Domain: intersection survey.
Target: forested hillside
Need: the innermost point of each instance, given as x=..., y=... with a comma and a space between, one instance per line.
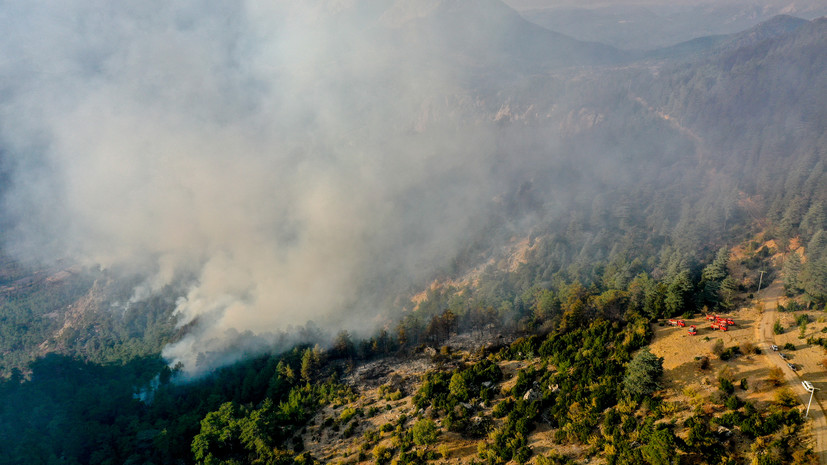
x=616, y=189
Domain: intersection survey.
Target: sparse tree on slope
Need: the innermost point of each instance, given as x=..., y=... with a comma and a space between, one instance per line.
x=425, y=432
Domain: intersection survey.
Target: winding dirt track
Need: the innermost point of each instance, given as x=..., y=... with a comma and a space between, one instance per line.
x=807, y=369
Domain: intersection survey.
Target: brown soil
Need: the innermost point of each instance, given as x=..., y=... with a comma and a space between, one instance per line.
x=687, y=385
x=682, y=354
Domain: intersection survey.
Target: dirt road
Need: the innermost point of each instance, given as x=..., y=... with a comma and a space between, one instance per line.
x=805, y=361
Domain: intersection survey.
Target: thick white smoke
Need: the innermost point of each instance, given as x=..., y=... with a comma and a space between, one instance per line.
x=282, y=156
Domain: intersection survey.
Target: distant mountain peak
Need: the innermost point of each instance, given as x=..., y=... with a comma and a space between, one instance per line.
x=484, y=33
x=773, y=27
x=404, y=11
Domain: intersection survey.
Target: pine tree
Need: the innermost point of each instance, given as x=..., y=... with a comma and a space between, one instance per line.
x=307, y=365
x=791, y=271
x=813, y=277
x=727, y=292
x=677, y=293
x=642, y=374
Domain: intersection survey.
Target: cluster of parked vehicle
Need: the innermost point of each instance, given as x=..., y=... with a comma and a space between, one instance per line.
x=784, y=356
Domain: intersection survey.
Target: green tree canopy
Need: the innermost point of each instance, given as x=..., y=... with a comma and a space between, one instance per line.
x=425, y=432
x=790, y=271
x=642, y=373
x=678, y=292
x=813, y=278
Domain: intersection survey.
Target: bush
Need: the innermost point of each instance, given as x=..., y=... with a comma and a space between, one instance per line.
x=503, y=408
x=348, y=432
x=776, y=376
x=425, y=432
x=726, y=373
x=730, y=353
x=381, y=454
x=785, y=397
x=347, y=414
x=789, y=346
x=371, y=436
x=726, y=386
x=718, y=347
x=777, y=328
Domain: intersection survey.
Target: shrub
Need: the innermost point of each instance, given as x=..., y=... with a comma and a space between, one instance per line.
x=424, y=432
x=381, y=454
x=553, y=458
x=785, y=397
x=718, y=347
x=371, y=436
x=503, y=408
x=726, y=373
x=726, y=385
x=777, y=328
x=776, y=376
x=789, y=346
x=522, y=454
x=444, y=451
x=347, y=414
x=348, y=432
x=730, y=353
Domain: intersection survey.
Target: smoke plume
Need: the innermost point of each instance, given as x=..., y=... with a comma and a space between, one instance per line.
x=287, y=161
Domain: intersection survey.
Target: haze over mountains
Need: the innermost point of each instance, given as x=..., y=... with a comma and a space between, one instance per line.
x=270, y=165
x=651, y=24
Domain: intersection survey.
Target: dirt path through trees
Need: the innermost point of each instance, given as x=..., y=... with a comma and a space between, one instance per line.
x=805, y=359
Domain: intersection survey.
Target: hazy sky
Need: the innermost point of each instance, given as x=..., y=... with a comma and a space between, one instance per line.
x=529, y=4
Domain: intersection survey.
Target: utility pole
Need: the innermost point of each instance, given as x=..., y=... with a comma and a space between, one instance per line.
x=808, y=386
